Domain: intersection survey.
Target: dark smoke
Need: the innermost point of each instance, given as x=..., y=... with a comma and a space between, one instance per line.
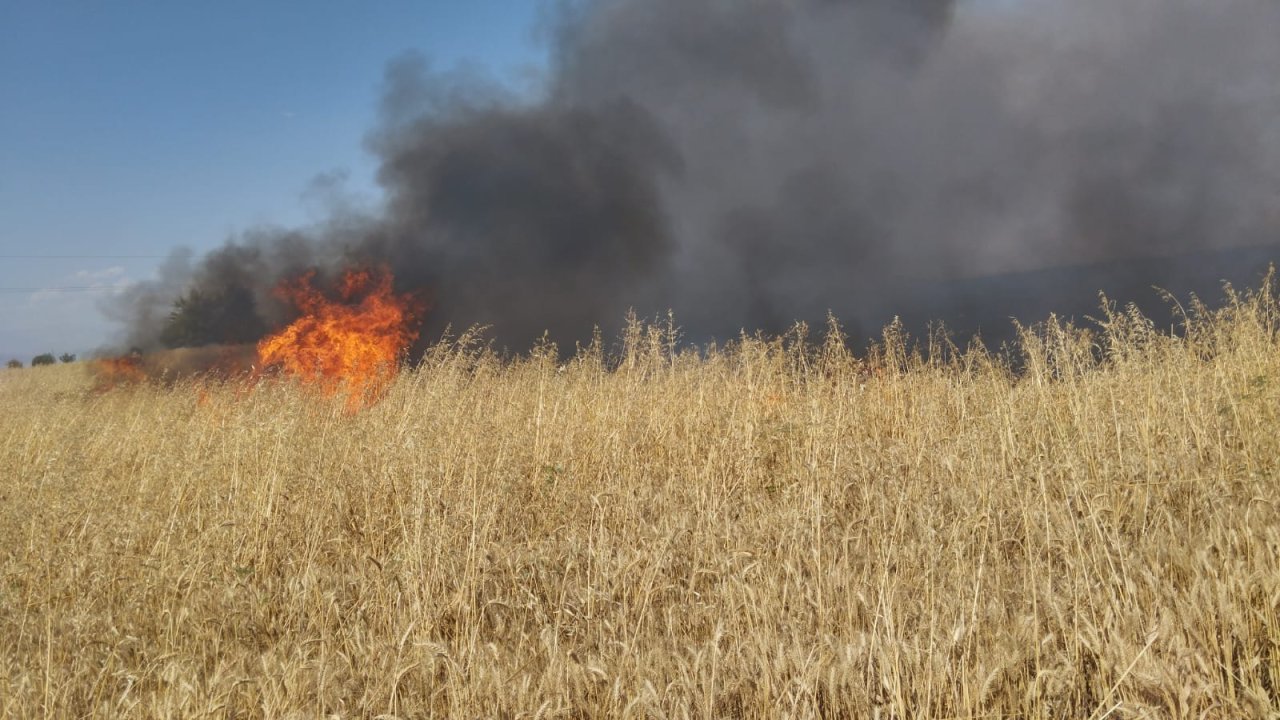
x=749, y=163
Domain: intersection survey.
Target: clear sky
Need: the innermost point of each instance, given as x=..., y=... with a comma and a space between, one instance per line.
x=128, y=128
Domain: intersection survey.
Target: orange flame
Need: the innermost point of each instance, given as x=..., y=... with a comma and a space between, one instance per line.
x=356, y=339
x=116, y=371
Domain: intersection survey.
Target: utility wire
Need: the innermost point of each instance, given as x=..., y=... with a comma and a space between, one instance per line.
x=81, y=257
x=64, y=288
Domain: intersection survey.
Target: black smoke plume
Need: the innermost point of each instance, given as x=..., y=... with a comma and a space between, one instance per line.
x=749, y=163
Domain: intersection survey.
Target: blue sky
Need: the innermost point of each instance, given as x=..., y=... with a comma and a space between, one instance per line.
x=128, y=128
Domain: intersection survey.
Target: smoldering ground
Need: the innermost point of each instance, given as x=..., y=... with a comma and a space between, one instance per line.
x=755, y=162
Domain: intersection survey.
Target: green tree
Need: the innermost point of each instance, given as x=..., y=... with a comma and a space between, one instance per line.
x=201, y=318
x=15, y=364
x=67, y=357
x=45, y=359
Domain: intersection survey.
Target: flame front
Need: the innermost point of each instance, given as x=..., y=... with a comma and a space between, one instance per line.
x=112, y=372
x=355, y=340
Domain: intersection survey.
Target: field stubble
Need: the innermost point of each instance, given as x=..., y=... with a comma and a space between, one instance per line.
x=1083, y=526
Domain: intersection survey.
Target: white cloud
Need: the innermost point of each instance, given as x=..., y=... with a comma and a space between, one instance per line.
x=115, y=271
x=85, y=287
x=59, y=321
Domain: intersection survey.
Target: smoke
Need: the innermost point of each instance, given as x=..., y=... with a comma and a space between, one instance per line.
x=749, y=163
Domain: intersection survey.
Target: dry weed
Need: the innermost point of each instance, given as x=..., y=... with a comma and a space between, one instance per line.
x=1083, y=526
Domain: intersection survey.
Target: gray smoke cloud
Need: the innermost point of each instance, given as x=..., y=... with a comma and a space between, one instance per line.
x=749, y=163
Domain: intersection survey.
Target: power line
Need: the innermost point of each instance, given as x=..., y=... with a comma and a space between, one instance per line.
x=82, y=257
x=65, y=288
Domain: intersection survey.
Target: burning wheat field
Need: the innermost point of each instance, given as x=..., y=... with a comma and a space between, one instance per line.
x=754, y=366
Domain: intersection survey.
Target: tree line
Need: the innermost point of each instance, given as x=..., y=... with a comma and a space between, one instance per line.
x=43, y=359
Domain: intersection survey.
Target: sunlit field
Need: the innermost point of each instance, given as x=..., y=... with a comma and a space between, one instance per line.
x=1081, y=525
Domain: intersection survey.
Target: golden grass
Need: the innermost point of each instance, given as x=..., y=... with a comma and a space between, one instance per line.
x=1086, y=527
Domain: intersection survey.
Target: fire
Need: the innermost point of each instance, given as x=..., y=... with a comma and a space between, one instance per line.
x=116, y=371
x=355, y=339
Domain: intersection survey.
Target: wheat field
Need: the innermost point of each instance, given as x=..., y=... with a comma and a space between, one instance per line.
x=1081, y=525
